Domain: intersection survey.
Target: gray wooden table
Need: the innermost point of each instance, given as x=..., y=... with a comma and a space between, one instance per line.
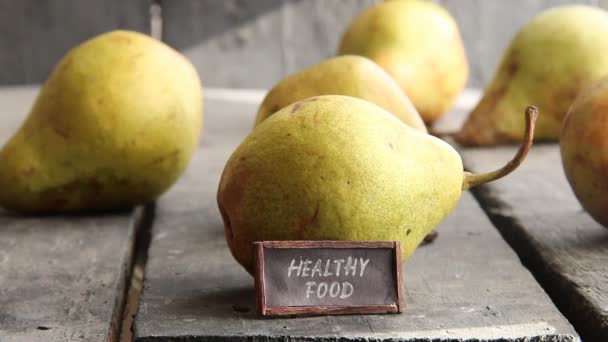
x=66, y=278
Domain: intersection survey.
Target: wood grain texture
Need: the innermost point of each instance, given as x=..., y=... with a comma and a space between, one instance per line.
x=399, y=278
x=537, y=213
x=466, y=285
x=34, y=34
x=62, y=278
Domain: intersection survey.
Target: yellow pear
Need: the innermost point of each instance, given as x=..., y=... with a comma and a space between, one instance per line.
x=354, y=76
x=419, y=44
x=340, y=168
x=548, y=62
x=114, y=125
x=584, y=149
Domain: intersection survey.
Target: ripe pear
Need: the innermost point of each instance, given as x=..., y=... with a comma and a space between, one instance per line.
x=584, y=149
x=340, y=168
x=419, y=44
x=345, y=75
x=114, y=125
x=548, y=62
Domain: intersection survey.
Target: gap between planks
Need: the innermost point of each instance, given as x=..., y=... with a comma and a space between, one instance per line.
x=144, y=219
x=557, y=285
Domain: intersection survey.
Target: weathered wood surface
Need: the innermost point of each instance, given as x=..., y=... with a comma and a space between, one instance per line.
x=467, y=285
x=35, y=34
x=61, y=278
x=225, y=38
x=537, y=213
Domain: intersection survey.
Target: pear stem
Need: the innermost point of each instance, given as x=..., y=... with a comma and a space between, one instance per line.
x=470, y=179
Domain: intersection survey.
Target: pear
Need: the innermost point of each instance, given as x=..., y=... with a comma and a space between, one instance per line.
x=419, y=44
x=548, y=62
x=584, y=149
x=114, y=125
x=346, y=75
x=340, y=168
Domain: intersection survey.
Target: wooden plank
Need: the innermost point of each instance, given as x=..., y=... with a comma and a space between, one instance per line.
x=537, y=213
x=34, y=34
x=61, y=278
x=467, y=285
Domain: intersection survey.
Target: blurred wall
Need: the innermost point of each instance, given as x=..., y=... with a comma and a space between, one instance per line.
x=237, y=43
x=35, y=34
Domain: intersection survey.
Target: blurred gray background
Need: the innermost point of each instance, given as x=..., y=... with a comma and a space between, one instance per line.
x=236, y=43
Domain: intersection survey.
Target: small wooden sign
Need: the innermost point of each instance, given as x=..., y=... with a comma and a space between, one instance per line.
x=328, y=277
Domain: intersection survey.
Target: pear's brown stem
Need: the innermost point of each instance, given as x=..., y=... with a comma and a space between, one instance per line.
x=470, y=179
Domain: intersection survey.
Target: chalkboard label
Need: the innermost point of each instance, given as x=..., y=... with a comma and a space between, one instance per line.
x=328, y=277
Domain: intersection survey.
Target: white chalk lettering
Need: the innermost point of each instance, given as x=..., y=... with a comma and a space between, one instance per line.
x=334, y=289
x=347, y=290
x=306, y=268
x=322, y=290
x=363, y=265
x=309, y=290
x=351, y=266
x=327, y=273
x=338, y=263
x=317, y=269
x=293, y=267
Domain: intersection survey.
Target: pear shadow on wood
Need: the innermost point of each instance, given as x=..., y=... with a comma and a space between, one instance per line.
x=223, y=302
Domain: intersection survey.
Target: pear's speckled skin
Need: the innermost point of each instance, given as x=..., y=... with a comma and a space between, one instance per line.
x=548, y=62
x=584, y=149
x=336, y=168
x=114, y=125
x=419, y=44
x=354, y=76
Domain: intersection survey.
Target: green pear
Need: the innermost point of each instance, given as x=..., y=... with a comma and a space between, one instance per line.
x=354, y=76
x=419, y=44
x=548, y=62
x=584, y=149
x=340, y=168
x=114, y=125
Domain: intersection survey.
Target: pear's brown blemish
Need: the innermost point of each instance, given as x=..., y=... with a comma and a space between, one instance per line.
x=100, y=101
x=121, y=38
x=305, y=224
x=61, y=132
x=173, y=155
x=29, y=172
x=390, y=145
x=296, y=107
x=172, y=116
x=579, y=159
x=230, y=198
x=407, y=232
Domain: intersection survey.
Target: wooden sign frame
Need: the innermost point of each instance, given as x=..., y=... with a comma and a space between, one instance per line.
x=266, y=310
